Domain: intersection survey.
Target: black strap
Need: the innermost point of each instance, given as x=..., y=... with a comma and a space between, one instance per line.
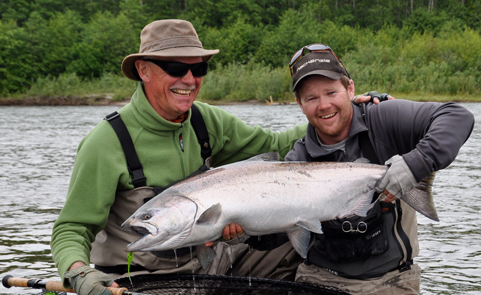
x=365, y=142
x=133, y=162
x=402, y=235
x=202, y=135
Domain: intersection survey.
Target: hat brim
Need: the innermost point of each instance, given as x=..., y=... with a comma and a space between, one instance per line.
x=128, y=64
x=330, y=74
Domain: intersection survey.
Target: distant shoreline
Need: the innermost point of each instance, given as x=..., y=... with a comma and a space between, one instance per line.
x=106, y=100
x=101, y=101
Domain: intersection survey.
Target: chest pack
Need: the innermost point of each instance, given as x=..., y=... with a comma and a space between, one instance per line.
x=133, y=162
x=351, y=245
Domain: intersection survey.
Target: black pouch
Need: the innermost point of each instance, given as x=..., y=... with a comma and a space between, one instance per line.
x=357, y=237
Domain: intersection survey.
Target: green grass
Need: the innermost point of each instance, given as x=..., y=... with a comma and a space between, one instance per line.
x=254, y=82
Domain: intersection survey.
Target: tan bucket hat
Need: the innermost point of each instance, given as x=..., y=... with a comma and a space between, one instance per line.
x=166, y=38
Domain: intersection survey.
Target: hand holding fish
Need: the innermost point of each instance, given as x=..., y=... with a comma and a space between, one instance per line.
x=232, y=231
x=229, y=232
x=398, y=179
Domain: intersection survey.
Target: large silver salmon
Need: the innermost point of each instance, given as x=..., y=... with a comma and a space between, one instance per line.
x=264, y=196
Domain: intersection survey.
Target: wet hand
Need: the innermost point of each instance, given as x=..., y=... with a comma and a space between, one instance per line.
x=232, y=231
x=388, y=197
x=229, y=232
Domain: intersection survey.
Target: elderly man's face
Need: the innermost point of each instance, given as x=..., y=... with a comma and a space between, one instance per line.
x=327, y=106
x=169, y=96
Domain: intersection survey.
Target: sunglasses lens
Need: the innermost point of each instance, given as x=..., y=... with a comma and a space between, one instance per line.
x=199, y=69
x=295, y=56
x=179, y=69
x=175, y=69
x=311, y=47
x=318, y=47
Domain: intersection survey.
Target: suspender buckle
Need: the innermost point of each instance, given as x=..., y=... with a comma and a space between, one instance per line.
x=208, y=162
x=112, y=116
x=138, y=178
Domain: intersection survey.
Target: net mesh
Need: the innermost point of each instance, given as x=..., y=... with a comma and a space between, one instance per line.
x=217, y=284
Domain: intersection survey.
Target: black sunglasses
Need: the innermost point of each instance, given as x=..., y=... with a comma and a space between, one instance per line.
x=318, y=47
x=180, y=69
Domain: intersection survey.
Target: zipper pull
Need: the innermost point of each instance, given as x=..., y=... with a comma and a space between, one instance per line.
x=181, y=141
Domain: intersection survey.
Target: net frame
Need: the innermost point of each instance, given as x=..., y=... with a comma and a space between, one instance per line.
x=220, y=284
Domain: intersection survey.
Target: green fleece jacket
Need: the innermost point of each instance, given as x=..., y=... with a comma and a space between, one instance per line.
x=100, y=168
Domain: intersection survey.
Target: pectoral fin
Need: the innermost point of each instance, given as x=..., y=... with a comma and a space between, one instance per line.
x=300, y=240
x=311, y=225
x=205, y=255
x=211, y=215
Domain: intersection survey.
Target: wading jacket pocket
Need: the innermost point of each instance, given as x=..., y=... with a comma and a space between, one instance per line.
x=357, y=238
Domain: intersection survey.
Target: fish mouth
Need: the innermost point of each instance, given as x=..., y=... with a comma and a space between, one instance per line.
x=137, y=244
x=140, y=230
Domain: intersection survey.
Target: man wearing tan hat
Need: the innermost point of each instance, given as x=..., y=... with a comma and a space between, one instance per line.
x=112, y=178
x=152, y=142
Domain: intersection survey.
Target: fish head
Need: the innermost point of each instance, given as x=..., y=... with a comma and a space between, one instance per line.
x=164, y=223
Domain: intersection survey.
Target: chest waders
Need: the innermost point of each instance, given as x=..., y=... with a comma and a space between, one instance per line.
x=108, y=253
x=378, y=242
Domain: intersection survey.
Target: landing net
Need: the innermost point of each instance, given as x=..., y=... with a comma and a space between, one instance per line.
x=216, y=284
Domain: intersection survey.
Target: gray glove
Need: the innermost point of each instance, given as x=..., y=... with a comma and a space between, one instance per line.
x=88, y=281
x=398, y=178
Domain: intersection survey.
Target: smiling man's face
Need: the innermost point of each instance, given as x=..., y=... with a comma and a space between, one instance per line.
x=327, y=106
x=169, y=96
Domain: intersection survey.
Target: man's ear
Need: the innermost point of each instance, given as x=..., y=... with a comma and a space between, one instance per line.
x=143, y=70
x=299, y=103
x=351, y=89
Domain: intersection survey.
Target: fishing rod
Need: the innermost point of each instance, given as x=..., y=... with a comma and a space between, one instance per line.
x=9, y=281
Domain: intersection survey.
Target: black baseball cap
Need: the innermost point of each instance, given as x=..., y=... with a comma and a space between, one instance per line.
x=322, y=63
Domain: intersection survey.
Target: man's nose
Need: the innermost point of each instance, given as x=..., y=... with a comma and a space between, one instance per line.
x=188, y=78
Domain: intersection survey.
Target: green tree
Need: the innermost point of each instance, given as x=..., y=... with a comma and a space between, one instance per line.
x=237, y=42
x=294, y=31
x=18, y=65
x=63, y=33
x=105, y=40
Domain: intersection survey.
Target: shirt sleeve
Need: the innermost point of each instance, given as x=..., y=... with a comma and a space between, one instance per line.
x=428, y=135
x=233, y=140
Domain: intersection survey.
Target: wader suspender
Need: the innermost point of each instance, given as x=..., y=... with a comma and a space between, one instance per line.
x=369, y=153
x=133, y=162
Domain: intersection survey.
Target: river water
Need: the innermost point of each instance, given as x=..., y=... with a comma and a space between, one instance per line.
x=37, y=151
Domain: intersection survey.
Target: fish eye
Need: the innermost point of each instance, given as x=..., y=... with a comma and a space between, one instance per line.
x=147, y=216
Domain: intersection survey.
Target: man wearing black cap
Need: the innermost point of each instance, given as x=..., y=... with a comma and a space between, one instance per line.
x=117, y=168
x=371, y=255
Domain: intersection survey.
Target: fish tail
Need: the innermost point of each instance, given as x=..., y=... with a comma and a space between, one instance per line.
x=420, y=198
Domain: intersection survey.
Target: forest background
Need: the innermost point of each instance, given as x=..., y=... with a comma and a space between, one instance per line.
x=72, y=49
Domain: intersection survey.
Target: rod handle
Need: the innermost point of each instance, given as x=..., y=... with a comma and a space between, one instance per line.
x=9, y=281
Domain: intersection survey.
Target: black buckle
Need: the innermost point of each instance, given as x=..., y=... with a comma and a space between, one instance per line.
x=112, y=116
x=138, y=176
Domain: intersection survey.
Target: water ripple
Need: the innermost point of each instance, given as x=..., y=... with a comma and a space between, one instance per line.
x=37, y=150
